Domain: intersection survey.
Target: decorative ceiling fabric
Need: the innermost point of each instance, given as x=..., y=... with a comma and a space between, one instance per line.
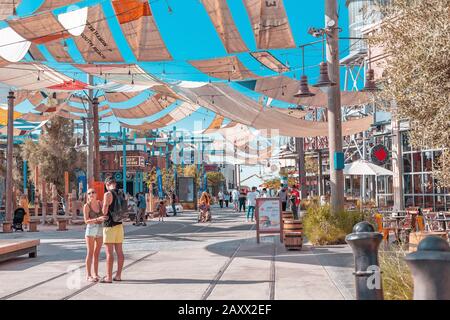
x=269, y=61
x=4, y=116
x=270, y=24
x=7, y=8
x=283, y=88
x=96, y=43
x=40, y=28
x=223, y=100
x=215, y=124
x=74, y=109
x=16, y=132
x=228, y=68
x=178, y=114
x=106, y=115
x=223, y=22
x=140, y=29
x=296, y=113
x=54, y=4
x=148, y=108
x=33, y=97
x=25, y=76
x=116, y=97
x=36, y=117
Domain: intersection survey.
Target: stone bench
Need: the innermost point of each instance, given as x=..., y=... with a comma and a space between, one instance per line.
x=15, y=248
x=34, y=221
x=62, y=221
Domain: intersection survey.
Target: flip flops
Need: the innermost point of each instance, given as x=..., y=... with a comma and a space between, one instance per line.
x=103, y=280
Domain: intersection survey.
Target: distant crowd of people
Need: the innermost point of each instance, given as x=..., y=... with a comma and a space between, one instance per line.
x=244, y=200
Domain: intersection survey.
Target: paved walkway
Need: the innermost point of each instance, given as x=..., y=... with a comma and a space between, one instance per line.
x=182, y=259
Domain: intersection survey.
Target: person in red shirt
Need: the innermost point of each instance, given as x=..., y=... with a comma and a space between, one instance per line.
x=295, y=201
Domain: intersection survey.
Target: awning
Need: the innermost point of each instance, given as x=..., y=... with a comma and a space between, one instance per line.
x=365, y=168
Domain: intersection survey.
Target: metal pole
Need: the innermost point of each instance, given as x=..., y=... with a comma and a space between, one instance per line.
x=301, y=166
x=96, y=139
x=25, y=177
x=334, y=107
x=90, y=134
x=124, y=161
x=320, y=184
x=9, y=162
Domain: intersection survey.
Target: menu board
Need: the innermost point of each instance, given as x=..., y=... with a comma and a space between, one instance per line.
x=268, y=216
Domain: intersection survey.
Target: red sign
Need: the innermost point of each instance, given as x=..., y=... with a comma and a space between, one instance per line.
x=379, y=154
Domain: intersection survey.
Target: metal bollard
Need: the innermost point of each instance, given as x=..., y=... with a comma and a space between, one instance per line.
x=430, y=268
x=364, y=242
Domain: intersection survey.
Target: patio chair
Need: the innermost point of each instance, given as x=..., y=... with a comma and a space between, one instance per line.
x=407, y=225
x=430, y=222
x=383, y=227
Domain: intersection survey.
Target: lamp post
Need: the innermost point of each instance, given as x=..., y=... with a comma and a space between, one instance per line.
x=334, y=108
x=9, y=164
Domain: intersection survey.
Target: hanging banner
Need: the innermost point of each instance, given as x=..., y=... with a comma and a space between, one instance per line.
x=160, y=183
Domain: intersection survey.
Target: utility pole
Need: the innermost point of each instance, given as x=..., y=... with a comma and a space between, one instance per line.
x=9, y=164
x=334, y=107
x=96, y=130
x=90, y=134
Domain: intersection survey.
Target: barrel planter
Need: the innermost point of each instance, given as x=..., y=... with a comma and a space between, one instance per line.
x=293, y=234
x=293, y=240
x=287, y=215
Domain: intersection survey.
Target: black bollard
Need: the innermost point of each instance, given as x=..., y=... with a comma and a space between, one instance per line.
x=364, y=242
x=430, y=268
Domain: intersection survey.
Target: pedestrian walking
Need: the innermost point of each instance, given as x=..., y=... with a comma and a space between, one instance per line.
x=173, y=202
x=251, y=204
x=283, y=195
x=295, y=201
x=226, y=198
x=162, y=211
x=205, y=205
x=141, y=207
x=235, y=198
x=220, y=197
x=242, y=200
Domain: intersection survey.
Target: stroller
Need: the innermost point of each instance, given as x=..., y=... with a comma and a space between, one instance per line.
x=19, y=213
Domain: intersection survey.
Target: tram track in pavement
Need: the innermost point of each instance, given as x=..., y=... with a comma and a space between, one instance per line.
x=41, y=283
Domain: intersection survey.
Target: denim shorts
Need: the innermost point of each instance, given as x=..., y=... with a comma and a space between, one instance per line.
x=94, y=230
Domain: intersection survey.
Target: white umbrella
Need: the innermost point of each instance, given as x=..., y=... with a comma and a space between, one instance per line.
x=365, y=168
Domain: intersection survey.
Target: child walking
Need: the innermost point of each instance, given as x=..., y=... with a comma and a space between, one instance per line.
x=162, y=212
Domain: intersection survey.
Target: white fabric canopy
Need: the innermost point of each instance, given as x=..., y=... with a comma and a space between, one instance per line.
x=365, y=168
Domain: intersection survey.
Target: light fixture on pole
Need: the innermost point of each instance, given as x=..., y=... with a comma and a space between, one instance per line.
x=304, y=88
x=324, y=79
x=369, y=85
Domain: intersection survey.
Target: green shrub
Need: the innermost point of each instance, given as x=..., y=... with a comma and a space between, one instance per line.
x=397, y=278
x=323, y=228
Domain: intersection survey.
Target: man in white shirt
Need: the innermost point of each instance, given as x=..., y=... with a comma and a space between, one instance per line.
x=235, y=198
x=220, y=197
x=251, y=203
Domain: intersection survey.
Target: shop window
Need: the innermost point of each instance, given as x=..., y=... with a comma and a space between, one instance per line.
x=407, y=183
x=417, y=186
x=405, y=142
x=407, y=165
x=428, y=161
x=440, y=203
x=409, y=201
x=428, y=202
x=428, y=184
x=418, y=201
x=417, y=161
x=436, y=157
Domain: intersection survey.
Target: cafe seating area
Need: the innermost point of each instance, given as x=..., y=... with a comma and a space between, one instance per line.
x=408, y=227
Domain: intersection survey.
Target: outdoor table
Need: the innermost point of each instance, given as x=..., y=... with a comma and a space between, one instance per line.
x=397, y=220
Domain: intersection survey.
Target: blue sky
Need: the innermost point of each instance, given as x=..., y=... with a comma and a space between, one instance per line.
x=189, y=35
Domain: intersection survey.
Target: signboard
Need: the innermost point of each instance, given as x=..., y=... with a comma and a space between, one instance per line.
x=379, y=154
x=186, y=189
x=133, y=161
x=159, y=183
x=268, y=217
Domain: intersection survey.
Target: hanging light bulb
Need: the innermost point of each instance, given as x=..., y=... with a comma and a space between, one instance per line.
x=304, y=88
x=65, y=47
x=212, y=99
x=14, y=8
x=39, y=76
x=132, y=79
x=324, y=79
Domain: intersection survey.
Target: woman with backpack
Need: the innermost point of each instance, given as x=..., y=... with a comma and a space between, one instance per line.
x=93, y=217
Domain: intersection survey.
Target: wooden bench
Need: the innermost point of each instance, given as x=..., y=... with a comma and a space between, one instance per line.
x=15, y=248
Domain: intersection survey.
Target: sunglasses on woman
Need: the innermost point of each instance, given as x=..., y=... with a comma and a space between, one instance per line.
x=92, y=192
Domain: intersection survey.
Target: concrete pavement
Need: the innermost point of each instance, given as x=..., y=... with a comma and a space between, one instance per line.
x=182, y=259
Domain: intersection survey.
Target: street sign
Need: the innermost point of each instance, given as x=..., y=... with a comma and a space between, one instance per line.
x=133, y=161
x=379, y=154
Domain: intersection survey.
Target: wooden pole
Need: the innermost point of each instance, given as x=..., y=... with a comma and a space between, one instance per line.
x=301, y=166
x=334, y=106
x=9, y=160
x=90, y=135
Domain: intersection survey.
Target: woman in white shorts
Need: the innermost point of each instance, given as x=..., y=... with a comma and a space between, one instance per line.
x=93, y=218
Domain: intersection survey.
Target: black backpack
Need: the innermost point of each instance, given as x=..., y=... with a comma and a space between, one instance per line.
x=119, y=210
